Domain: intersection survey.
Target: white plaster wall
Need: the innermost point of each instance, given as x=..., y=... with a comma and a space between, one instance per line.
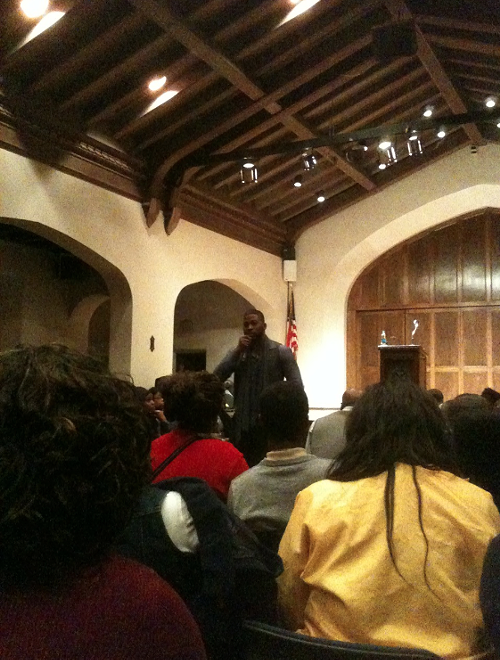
x=333, y=253
x=155, y=266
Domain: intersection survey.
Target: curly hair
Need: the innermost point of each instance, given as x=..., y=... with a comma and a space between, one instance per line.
x=74, y=458
x=193, y=399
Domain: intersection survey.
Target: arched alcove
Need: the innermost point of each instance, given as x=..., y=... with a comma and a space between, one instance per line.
x=208, y=320
x=52, y=286
x=449, y=280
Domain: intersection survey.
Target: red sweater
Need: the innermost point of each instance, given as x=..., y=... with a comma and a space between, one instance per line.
x=216, y=461
x=124, y=611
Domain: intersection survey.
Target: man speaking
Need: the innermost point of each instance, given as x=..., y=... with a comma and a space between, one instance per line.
x=256, y=362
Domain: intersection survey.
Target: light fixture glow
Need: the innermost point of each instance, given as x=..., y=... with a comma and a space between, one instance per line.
x=34, y=8
x=300, y=8
x=248, y=171
x=387, y=157
x=320, y=197
x=498, y=125
x=297, y=182
x=385, y=144
x=157, y=83
x=163, y=98
x=309, y=161
x=414, y=145
x=43, y=24
x=428, y=111
x=441, y=133
x=490, y=102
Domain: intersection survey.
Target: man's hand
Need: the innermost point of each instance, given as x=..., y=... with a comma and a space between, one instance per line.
x=243, y=343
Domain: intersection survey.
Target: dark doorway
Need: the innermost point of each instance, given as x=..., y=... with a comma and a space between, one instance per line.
x=191, y=360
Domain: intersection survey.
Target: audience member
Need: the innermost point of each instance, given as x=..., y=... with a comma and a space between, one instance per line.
x=436, y=394
x=186, y=534
x=326, y=436
x=74, y=456
x=389, y=550
x=491, y=396
x=193, y=401
x=475, y=429
x=155, y=419
x=256, y=362
x=490, y=593
x=264, y=495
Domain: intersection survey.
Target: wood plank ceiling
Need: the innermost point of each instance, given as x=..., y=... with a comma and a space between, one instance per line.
x=248, y=81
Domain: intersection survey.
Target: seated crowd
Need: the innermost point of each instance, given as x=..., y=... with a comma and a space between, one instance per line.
x=130, y=529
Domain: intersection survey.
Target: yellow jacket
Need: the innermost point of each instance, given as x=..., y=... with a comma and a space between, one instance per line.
x=339, y=581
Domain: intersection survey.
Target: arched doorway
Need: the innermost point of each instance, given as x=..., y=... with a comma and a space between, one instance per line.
x=208, y=321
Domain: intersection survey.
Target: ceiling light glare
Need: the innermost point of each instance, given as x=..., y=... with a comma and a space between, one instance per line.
x=490, y=102
x=163, y=98
x=248, y=171
x=428, y=111
x=157, y=83
x=441, y=133
x=320, y=197
x=414, y=145
x=297, y=182
x=248, y=164
x=498, y=125
x=34, y=8
x=43, y=24
x=300, y=8
x=382, y=165
x=385, y=143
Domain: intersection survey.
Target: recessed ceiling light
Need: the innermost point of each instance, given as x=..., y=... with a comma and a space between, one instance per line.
x=498, y=125
x=34, y=8
x=441, y=133
x=490, y=102
x=428, y=111
x=157, y=83
x=320, y=196
x=297, y=182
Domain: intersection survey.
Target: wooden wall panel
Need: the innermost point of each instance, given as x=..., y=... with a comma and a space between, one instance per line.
x=447, y=347
x=449, y=280
x=473, y=334
x=473, y=244
x=446, y=255
x=419, y=272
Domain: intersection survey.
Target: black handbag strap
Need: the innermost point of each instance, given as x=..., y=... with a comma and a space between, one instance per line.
x=171, y=457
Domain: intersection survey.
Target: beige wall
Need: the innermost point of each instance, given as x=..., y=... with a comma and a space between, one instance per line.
x=333, y=253
x=144, y=269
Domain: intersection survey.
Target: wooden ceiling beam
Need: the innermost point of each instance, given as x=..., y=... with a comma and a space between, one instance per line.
x=466, y=45
x=399, y=10
x=457, y=24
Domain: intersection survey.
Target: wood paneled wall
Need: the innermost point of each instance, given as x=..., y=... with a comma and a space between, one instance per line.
x=448, y=280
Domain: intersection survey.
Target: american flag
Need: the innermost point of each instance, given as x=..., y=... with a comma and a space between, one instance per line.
x=292, y=341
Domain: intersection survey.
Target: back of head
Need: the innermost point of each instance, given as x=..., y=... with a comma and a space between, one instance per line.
x=437, y=395
x=284, y=412
x=464, y=404
x=393, y=422
x=193, y=399
x=349, y=398
x=74, y=458
x=491, y=396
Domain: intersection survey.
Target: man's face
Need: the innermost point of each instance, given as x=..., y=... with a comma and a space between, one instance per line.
x=253, y=326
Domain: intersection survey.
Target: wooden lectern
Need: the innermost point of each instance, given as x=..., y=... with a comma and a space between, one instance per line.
x=408, y=358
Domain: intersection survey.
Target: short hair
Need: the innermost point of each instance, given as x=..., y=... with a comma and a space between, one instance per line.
x=284, y=411
x=193, y=399
x=349, y=398
x=436, y=394
x=141, y=393
x=74, y=458
x=491, y=395
x=255, y=312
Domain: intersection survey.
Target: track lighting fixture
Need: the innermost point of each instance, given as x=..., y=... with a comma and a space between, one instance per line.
x=428, y=111
x=309, y=161
x=385, y=143
x=320, y=197
x=297, y=182
x=414, y=145
x=490, y=102
x=441, y=133
x=387, y=157
x=248, y=171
